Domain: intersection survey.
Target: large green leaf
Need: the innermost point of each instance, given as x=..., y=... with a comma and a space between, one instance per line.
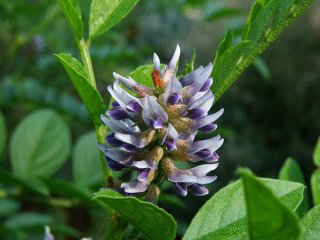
x=72, y=12
x=89, y=95
x=316, y=154
x=311, y=224
x=40, y=144
x=86, y=161
x=224, y=215
x=291, y=171
x=315, y=186
x=267, y=217
x=142, y=74
x=105, y=14
x=153, y=222
x=28, y=184
x=28, y=219
x=3, y=133
x=267, y=20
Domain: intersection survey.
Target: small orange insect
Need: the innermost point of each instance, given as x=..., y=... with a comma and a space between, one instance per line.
x=157, y=81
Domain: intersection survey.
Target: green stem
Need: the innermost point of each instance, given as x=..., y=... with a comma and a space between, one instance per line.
x=86, y=61
x=100, y=129
x=116, y=226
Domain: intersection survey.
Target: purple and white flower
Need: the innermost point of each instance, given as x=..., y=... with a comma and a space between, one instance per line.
x=154, y=128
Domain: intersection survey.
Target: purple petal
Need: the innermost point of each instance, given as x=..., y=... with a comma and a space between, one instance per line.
x=198, y=189
x=134, y=106
x=174, y=98
x=173, y=91
x=115, y=166
x=112, y=141
x=211, y=144
x=208, y=128
x=181, y=176
x=156, y=123
x=115, y=104
x=205, y=102
x=206, y=85
x=190, y=78
x=117, y=113
x=137, y=140
x=128, y=83
x=170, y=139
x=135, y=186
x=143, y=174
x=118, y=155
x=122, y=97
x=188, y=136
x=196, y=113
x=128, y=147
x=170, y=146
x=126, y=126
x=205, y=153
x=153, y=110
x=181, y=189
x=193, y=88
x=199, y=123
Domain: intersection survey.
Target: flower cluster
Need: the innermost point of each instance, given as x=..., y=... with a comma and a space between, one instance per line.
x=154, y=128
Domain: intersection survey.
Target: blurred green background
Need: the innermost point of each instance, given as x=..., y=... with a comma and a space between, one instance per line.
x=270, y=113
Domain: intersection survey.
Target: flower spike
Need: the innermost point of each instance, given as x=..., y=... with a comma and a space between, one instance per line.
x=157, y=127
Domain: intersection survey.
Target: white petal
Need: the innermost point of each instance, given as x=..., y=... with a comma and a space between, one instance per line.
x=189, y=78
x=128, y=82
x=175, y=58
x=203, y=169
x=199, y=123
x=156, y=62
x=137, y=140
x=135, y=186
x=203, y=144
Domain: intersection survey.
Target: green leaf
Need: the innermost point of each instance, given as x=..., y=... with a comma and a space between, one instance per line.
x=267, y=217
x=3, y=133
x=28, y=219
x=316, y=154
x=89, y=95
x=263, y=69
x=142, y=75
x=72, y=12
x=8, y=207
x=224, y=45
x=291, y=171
x=26, y=183
x=150, y=220
x=219, y=11
x=86, y=161
x=189, y=65
x=315, y=186
x=40, y=144
x=311, y=224
x=224, y=215
x=267, y=20
x=105, y=14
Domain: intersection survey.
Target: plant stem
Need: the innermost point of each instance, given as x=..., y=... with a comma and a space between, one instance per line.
x=86, y=61
x=100, y=129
